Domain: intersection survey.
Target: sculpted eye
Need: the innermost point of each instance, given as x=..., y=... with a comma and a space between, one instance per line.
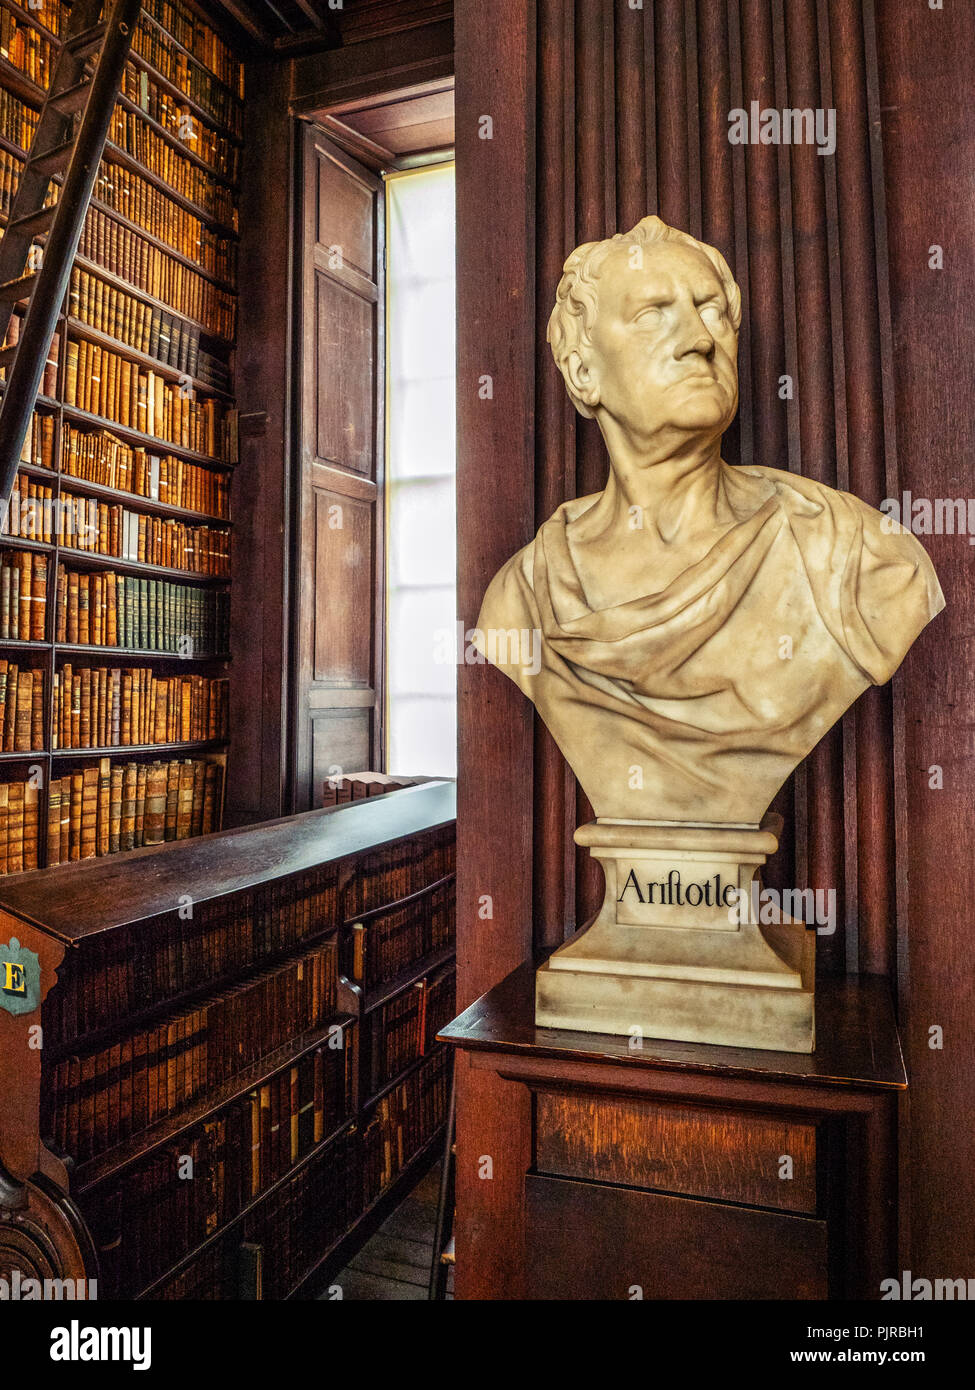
x=650, y=315
x=712, y=313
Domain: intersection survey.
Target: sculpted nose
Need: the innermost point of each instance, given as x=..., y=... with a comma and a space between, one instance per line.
x=694, y=337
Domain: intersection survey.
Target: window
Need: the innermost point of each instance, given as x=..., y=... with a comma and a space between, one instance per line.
x=421, y=716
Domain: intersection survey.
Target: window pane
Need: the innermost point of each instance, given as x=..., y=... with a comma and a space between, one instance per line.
x=420, y=466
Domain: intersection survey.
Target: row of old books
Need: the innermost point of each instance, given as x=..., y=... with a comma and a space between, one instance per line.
x=105, y=609
x=143, y=203
x=49, y=379
x=102, y=528
x=108, y=807
x=403, y=1121
x=21, y=708
x=38, y=446
x=149, y=329
x=222, y=156
x=30, y=512
x=116, y=707
x=123, y=252
x=98, y=456
x=19, y=825
x=281, y=1237
x=402, y=869
x=356, y=786
x=99, y=528
x=187, y=27
x=105, y=383
x=17, y=120
x=26, y=49
x=391, y=942
x=195, y=946
x=145, y=327
x=405, y=1028
x=185, y=1192
x=177, y=67
x=23, y=595
x=101, y=1097
x=133, y=134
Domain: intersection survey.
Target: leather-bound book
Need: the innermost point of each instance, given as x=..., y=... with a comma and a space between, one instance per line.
x=184, y=800
x=89, y=813
x=15, y=827
x=25, y=681
x=198, y=796
x=155, y=819
x=38, y=607
x=54, y=822
x=31, y=825
x=127, y=824
x=172, y=798
x=141, y=779
x=115, y=809
x=104, y=804
x=25, y=594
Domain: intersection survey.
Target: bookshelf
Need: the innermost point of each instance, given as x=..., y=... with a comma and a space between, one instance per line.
x=116, y=553
x=299, y=1134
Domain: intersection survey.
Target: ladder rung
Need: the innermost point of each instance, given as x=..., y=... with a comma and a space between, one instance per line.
x=35, y=223
x=72, y=99
x=15, y=290
x=82, y=45
x=52, y=161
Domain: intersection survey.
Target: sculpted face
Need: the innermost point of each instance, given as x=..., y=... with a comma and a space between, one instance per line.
x=664, y=351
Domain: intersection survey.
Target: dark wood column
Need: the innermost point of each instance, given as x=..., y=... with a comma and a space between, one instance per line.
x=926, y=61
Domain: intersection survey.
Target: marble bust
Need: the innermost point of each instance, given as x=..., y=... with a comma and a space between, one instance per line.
x=701, y=625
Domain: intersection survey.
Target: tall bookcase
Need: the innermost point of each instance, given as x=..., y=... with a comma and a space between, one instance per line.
x=116, y=552
x=240, y=1074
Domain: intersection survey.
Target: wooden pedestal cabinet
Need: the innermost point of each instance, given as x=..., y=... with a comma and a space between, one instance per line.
x=676, y=1170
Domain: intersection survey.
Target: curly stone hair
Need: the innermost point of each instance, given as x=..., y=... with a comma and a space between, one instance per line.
x=577, y=298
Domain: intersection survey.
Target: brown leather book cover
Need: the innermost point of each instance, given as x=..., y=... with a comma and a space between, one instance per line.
x=141, y=781
x=15, y=827
x=89, y=813
x=54, y=822
x=155, y=819
x=104, y=804
x=115, y=809
x=31, y=825
x=127, y=826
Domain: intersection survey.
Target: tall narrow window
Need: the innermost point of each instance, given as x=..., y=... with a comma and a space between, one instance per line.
x=421, y=718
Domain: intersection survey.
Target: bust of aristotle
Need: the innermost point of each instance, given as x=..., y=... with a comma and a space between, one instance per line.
x=701, y=626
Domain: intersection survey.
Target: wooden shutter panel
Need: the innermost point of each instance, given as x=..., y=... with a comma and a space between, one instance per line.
x=339, y=574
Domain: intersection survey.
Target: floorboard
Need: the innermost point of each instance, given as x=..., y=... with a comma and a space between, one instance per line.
x=394, y=1265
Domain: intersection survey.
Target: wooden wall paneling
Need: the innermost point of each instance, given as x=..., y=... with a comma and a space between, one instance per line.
x=339, y=522
x=383, y=63
x=496, y=318
x=554, y=855
x=260, y=497
x=709, y=1250
x=925, y=60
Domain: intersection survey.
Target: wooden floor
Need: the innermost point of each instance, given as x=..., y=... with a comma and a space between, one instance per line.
x=395, y=1263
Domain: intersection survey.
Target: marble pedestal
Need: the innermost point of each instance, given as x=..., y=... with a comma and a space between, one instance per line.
x=676, y=950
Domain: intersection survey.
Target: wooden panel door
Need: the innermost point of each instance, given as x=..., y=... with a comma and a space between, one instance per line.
x=339, y=530
x=653, y=1245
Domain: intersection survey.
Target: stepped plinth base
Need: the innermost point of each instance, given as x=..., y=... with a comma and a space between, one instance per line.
x=676, y=950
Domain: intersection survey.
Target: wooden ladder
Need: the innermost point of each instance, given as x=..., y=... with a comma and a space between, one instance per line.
x=68, y=143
